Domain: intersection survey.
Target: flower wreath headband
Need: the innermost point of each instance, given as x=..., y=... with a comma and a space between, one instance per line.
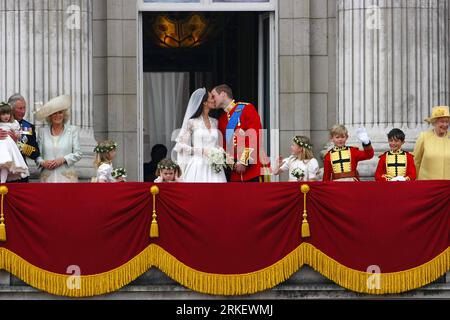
x=302, y=144
x=172, y=166
x=106, y=148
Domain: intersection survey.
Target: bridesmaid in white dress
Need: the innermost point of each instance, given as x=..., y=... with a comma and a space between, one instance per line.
x=199, y=134
x=105, y=152
x=301, y=164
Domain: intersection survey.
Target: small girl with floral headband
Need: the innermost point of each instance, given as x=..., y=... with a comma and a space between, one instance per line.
x=105, y=154
x=168, y=171
x=302, y=165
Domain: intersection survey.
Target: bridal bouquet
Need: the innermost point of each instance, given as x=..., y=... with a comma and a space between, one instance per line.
x=298, y=173
x=217, y=159
x=119, y=172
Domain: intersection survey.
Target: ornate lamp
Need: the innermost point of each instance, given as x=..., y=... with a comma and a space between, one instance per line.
x=172, y=32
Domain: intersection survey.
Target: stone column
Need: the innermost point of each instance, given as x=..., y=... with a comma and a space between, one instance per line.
x=119, y=63
x=46, y=51
x=393, y=67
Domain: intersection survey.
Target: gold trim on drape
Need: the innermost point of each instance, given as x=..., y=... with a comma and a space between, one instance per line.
x=220, y=284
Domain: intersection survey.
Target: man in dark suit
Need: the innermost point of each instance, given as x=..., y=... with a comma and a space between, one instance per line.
x=27, y=143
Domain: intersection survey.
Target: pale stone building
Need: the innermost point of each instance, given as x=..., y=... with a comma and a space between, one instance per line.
x=306, y=65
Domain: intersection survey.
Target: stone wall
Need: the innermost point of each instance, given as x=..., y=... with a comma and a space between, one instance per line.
x=115, y=74
x=307, y=47
x=393, y=67
x=46, y=51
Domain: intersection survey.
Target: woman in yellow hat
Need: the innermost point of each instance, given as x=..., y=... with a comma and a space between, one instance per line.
x=58, y=142
x=432, y=149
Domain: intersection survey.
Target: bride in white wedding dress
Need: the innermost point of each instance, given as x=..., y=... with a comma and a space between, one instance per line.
x=199, y=134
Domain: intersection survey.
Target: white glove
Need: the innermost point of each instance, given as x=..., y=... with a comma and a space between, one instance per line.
x=398, y=178
x=362, y=135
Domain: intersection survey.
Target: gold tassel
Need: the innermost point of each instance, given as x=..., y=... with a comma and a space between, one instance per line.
x=305, y=225
x=305, y=229
x=154, y=229
x=2, y=231
x=3, y=192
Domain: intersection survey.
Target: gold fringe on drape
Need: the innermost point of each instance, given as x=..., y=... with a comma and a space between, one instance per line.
x=59, y=284
x=365, y=282
x=233, y=284
x=239, y=284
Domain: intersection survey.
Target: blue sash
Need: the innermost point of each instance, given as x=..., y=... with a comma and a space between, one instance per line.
x=232, y=123
x=26, y=128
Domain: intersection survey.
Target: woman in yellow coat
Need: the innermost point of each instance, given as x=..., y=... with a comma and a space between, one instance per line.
x=432, y=149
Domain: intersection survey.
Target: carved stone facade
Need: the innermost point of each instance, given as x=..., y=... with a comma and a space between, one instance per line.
x=377, y=64
x=340, y=61
x=46, y=51
x=392, y=67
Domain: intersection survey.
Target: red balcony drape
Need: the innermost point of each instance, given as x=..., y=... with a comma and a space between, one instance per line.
x=227, y=238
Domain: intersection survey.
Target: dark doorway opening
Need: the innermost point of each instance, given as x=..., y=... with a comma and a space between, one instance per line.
x=233, y=48
x=228, y=54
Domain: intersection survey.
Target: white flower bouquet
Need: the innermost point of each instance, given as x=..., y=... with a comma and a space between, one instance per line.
x=298, y=173
x=119, y=172
x=217, y=159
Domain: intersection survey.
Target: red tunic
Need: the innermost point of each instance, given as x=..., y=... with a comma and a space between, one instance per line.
x=380, y=173
x=356, y=156
x=246, y=135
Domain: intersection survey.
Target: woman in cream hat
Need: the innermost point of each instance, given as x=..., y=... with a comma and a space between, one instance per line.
x=432, y=149
x=58, y=142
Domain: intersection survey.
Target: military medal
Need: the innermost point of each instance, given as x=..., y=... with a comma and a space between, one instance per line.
x=26, y=131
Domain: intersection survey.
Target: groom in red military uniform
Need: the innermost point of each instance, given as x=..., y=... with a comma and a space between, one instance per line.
x=240, y=126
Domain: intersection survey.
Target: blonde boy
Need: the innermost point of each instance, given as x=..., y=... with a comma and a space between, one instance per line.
x=340, y=163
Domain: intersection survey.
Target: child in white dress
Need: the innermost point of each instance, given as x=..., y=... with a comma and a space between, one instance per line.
x=105, y=154
x=12, y=164
x=302, y=165
x=168, y=171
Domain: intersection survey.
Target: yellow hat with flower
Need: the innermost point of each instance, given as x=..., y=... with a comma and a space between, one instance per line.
x=438, y=112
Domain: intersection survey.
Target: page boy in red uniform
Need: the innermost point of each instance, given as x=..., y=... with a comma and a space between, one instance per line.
x=396, y=164
x=340, y=163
